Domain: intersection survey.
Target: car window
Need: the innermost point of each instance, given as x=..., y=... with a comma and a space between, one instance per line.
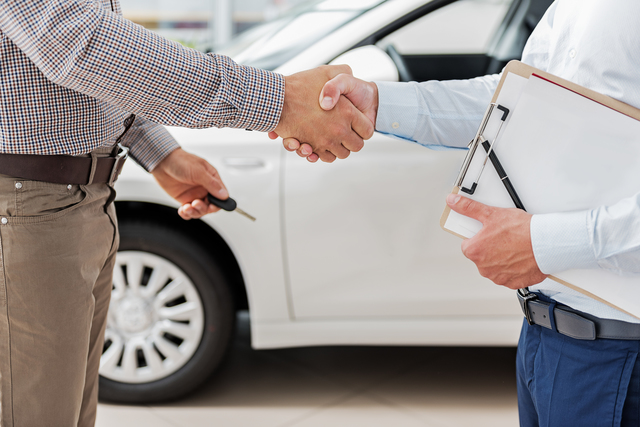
x=462, y=27
x=273, y=43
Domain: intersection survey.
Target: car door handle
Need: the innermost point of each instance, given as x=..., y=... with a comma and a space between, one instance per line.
x=244, y=163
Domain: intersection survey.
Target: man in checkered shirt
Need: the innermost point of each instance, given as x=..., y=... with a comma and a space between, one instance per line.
x=76, y=78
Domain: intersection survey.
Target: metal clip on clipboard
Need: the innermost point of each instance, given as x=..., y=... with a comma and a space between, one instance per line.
x=477, y=140
x=491, y=155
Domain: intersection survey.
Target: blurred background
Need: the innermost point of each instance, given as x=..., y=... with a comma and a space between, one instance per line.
x=203, y=24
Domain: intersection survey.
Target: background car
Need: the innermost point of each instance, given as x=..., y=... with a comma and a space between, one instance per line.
x=343, y=253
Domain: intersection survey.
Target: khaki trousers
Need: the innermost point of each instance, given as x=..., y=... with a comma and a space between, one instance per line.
x=57, y=252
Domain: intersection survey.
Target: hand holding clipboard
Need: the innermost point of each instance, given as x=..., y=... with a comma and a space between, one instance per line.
x=552, y=148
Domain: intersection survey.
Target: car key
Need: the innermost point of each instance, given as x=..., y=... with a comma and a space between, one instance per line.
x=228, y=205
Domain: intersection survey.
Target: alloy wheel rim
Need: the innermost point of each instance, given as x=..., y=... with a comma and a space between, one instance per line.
x=155, y=321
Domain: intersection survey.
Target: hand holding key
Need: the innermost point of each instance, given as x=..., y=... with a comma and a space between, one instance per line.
x=228, y=205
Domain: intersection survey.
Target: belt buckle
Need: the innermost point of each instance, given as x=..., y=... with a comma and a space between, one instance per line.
x=526, y=297
x=123, y=154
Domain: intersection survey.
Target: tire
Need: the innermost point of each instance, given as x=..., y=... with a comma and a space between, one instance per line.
x=170, y=319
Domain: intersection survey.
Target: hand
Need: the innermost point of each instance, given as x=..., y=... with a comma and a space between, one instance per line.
x=188, y=179
x=502, y=249
x=363, y=95
x=333, y=133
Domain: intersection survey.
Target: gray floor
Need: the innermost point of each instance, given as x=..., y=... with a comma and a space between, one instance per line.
x=342, y=386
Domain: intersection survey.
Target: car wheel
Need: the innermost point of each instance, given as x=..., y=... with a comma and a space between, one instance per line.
x=170, y=318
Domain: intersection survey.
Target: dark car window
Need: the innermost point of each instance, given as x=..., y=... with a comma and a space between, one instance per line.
x=441, y=41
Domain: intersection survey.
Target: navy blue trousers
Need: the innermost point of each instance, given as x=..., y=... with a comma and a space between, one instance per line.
x=567, y=382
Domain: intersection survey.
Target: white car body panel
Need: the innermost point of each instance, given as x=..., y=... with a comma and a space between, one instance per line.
x=372, y=226
x=256, y=245
x=349, y=252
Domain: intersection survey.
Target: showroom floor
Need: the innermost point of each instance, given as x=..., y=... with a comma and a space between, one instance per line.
x=342, y=386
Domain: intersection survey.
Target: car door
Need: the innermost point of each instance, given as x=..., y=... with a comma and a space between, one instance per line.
x=362, y=236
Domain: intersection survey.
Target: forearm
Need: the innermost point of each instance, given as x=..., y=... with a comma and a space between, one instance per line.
x=91, y=50
x=434, y=113
x=606, y=237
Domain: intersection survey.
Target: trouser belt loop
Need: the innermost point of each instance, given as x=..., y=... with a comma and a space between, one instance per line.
x=92, y=172
x=552, y=316
x=524, y=296
x=115, y=150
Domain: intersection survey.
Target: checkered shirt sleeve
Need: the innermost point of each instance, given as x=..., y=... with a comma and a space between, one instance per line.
x=73, y=70
x=148, y=143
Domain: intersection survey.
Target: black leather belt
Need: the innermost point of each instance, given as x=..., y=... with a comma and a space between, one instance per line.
x=574, y=323
x=64, y=169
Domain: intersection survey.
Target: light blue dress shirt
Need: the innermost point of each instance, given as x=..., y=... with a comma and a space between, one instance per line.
x=594, y=43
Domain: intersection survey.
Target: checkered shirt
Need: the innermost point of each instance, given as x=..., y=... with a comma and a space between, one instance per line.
x=71, y=71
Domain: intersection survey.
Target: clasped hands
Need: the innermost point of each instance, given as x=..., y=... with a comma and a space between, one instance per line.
x=335, y=134
x=348, y=115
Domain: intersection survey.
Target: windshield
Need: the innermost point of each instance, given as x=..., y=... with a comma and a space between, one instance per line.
x=273, y=43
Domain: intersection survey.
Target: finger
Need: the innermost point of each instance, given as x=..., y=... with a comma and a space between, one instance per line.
x=334, y=70
x=211, y=181
x=362, y=125
x=342, y=84
x=200, y=208
x=182, y=211
x=466, y=247
x=291, y=144
x=340, y=151
x=353, y=142
x=187, y=211
x=272, y=135
x=305, y=150
x=327, y=157
x=313, y=158
x=468, y=207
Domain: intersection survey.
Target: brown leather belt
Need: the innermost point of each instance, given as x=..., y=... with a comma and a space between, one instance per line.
x=64, y=169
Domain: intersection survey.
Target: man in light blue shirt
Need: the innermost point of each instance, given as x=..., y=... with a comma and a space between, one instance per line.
x=562, y=381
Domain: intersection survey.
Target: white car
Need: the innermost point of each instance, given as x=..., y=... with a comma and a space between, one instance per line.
x=344, y=253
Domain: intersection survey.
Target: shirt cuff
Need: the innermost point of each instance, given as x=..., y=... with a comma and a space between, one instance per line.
x=561, y=241
x=149, y=143
x=263, y=99
x=397, y=109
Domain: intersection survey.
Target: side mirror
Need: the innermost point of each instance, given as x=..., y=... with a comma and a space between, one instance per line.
x=369, y=63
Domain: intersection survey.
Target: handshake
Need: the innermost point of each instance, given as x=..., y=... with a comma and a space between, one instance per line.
x=344, y=118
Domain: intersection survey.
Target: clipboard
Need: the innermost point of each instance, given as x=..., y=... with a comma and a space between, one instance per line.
x=565, y=148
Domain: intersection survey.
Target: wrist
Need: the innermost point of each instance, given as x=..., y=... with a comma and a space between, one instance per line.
x=375, y=101
x=397, y=105
x=289, y=84
x=163, y=164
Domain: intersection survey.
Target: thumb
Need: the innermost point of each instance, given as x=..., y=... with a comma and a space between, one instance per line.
x=211, y=181
x=342, y=84
x=468, y=207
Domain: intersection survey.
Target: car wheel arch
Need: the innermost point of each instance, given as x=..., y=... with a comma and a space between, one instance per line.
x=198, y=230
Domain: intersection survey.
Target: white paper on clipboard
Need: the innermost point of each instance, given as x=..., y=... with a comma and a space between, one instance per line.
x=562, y=152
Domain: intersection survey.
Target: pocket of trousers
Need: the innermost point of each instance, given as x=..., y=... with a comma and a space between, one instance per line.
x=38, y=201
x=582, y=382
